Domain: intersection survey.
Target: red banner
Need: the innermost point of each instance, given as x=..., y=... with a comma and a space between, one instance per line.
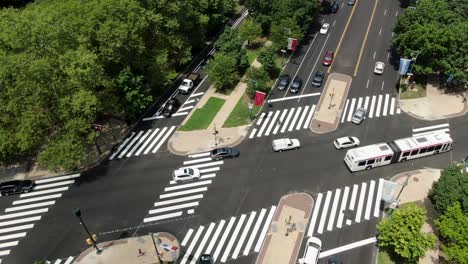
x=259, y=98
x=292, y=43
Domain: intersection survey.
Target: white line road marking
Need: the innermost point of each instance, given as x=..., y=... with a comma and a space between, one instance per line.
x=272, y=123
x=359, y=103
x=445, y=130
x=254, y=232
x=304, y=113
x=361, y=202
x=287, y=120
x=252, y=134
x=392, y=106
x=309, y=117
x=369, y=200
x=283, y=114
x=202, y=244
x=385, y=107
x=162, y=131
x=388, y=53
x=137, y=145
x=209, y=170
x=189, y=185
x=324, y=212
x=337, y=250
x=343, y=115
x=31, y=212
x=130, y=145
x=162, y=196
x=185, y=108
x=415, y=130
x=16, y=228
x=334, y=23
x=207, y=176
x=366, y=103
x=353, y=197
x=4, y=253
x=367, y=84
x=215, y=237
x=197, y=94
x=331, y=219
x=398, y=111
x=180, y=114
x=187, y=237
x=377, y=111
x=162, y=217
x=396, y=14
x=199, y=155
x=371, y=111
x=293, y=97
x=173, y=208
x=36, y=193
x=52, y=179
x=189, y=102
x=9, y=244
x=351, y=108
x=210, y=164
x=380, y=31
x=383, y=82
x=244, y=235
x=385, y=12
x=313, y=220
x=147, y=142
x=261, y=118
x=183, y=199
x=265, y=229
x=293, y=122
x=40, y=198
x=223, y=238
x=373, y=57
x=339, y=224
x=46, y=186
x=265, y=123
x=12, y=236
x=18, y=208
x=121, y=146
x=378, y=198
x=192, y=244
x=69, y=260
x=197, y=160
x=163, y=139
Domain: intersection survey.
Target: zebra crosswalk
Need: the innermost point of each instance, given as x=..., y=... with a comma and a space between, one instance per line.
x=180, y=198
x=142, y=142
x=29, y=208
x=186, y=107
x=68, y=260
x=228, y=238
x=376, y=106
x=343, y=207
x=441, y=128
x=280, y=121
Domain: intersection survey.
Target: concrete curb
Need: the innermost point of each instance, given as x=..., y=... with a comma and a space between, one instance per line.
x=413, y=115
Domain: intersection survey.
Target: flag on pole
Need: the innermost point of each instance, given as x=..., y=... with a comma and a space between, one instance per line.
x=404, y=66
x=292, y=43
x=259, y=98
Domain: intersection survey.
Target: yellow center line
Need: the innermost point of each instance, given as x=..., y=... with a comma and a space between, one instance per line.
x=365, y=39
x=342, y=35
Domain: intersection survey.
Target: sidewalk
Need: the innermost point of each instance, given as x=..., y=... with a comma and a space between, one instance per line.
x=330, y=106
x=135, y=250
x=286, y=231
x=419, y=184
x=437, y=104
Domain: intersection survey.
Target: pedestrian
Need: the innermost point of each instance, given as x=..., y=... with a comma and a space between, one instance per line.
x=140, y=253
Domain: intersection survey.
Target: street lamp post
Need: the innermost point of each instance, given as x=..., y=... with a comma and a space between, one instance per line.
x=283, y=51
x=156, y=243
x=254, y=84
x=215, y=133
x=77, y=213
x=397, y=200
x=332, y=94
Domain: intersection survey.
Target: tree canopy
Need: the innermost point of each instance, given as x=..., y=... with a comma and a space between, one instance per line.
x=450, y=188
x=453, y=229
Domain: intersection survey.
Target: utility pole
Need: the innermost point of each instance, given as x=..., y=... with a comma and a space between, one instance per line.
x=77, y=213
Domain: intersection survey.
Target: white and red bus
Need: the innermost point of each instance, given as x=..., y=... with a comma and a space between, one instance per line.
x=368, y=157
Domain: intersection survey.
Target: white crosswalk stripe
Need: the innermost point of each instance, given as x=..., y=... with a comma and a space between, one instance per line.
x=229, y=238
x=376, y=106
x=341, y=208
x=441, y=128
x=143, y=141
x=180, y=199
x=282, y=121
x=28, y=208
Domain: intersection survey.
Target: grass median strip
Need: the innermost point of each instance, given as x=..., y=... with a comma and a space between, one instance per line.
x=202, y=117
x=240, y=114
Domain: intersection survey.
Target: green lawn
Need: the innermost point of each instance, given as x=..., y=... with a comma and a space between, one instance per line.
x=252, y=54
x=240, y=114
x=416, y=91
x=384, y=258
x=202, y=117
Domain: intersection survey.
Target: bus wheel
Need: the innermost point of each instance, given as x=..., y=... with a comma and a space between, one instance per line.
x=403, y=159
x=368, y=167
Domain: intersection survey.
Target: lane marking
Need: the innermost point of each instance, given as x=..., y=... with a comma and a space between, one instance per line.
x=382, y=85
x=287, y=120
x=254, y=232
x=378, y=198
x=373, y=57
x=331, y=219
x=178, y=200
x=202, y=244
x=189, y=185
x=121, y=146
x=244, y=235
x=430, y=127
x=339, y=223
x=162, y=217
x=223, y=238
x=265, y=123
x=359, y=103
x=155, y=140
x=280, y=121
x=272, y=123
x=337, y=250
x=369, y=200
x=353, y=197
x=304, y=113
x=445, y=130
x=315, y=64
x=163, y=139
x=362, y=194
x=343, y=115
x=351, y=109
x=293, y=97
x=366, y=103
x=36, y=193
x=265, y=229
x=385, y=107
x=18, y=208
x=392, y=106
x=293, y=121
x=215, y=237
x=40, y=198
x=162, y=196
x=227, y=250
x=192, y=245
x=173, y=208
x=199, y=155
x=367, y=84
x=371, y=111
x=377, y=114
x=324, y=212
x=187, y=237
x=147, y=142
x=197, y=160
x=313, y=221
x=309, y=117
x=67, y=177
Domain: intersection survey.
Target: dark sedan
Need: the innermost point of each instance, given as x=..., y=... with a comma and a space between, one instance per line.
x=224, y=153
x=296, y=85
x=17, y=186
x=170, y=107
x=283, y=82
x=318, y=78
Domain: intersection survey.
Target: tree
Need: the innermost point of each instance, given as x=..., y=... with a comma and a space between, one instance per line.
x=401, y=233
x=450, y=188
x=284, y=29
x=249, y=30
x=230, y=43
x=222, y=71
x=454, y=231
x=267, y=57
x=257, y=79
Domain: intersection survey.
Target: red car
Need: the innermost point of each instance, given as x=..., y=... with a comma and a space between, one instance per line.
x=327, y=60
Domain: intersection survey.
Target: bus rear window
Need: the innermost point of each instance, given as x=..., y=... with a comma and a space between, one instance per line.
x=362, y=163
x=388, y=158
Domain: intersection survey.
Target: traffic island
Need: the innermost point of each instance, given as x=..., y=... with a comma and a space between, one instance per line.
x=286, y=231
x=331, y=104
x=155, y=248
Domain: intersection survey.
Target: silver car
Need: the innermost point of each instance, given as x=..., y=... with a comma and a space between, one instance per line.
x=359, y=116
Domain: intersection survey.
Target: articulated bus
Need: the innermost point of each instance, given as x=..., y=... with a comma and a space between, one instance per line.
x=368, y=157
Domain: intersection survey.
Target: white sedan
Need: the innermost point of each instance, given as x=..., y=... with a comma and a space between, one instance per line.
x=324, y=28
x=186, y=174
x=346, y=142
x=379, y=67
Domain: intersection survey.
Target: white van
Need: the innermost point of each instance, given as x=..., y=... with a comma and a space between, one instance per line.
x=285, y=144
x=312, y=251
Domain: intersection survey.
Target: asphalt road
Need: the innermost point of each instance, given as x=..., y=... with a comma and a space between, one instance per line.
x=115, y=198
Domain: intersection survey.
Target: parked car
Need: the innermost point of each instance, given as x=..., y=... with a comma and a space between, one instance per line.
x=16, y=186
x=346, y=142
x=328, y=59
x=224, y=153
x=170, y=107
x=188, y=83
x=359, y=116
x=379, y=67
x=351, y=2
x=324, y=28
x=318, y=78
x=296, y=85
x=186, y=174
x=205, y=259
x=284, y=81
x=334, y=7
x=312, y=251
x=285, y=144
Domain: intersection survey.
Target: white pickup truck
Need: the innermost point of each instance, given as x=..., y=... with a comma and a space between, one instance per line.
x=188, y=83
x=285, y=144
